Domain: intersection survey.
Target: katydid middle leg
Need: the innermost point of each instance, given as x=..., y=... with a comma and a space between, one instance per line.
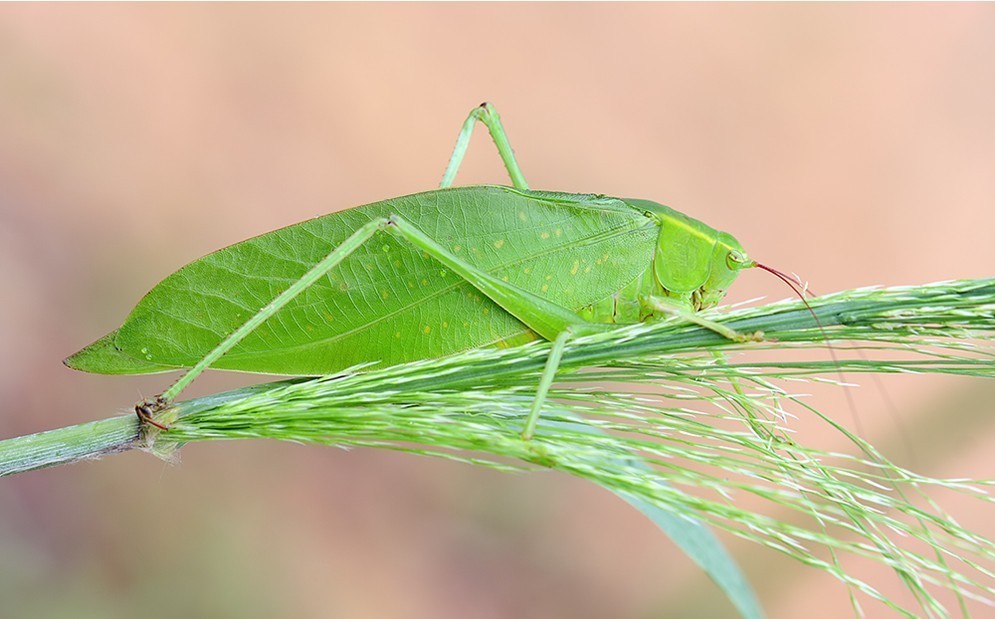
x=552, y=365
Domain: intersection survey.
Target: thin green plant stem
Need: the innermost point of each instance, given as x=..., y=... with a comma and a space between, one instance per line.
x=67, y=445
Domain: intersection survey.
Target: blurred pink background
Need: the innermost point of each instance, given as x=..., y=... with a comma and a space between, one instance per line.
x=853, y=144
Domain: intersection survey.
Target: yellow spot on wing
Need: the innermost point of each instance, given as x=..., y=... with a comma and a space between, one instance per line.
x=457, y=249
x=522, y=216
x=576, y=267
x=544, y=235
x=427, y=329
x=499, y=243
x=545, y=287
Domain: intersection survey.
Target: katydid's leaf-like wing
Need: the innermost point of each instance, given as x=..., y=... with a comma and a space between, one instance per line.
x=387, y=302
x=104, y=355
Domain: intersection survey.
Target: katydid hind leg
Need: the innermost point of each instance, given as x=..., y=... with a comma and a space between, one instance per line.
x=486, y=114
x=543, y=316
x=147, y=408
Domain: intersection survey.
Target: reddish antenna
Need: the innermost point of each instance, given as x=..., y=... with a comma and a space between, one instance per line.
x=799, y=289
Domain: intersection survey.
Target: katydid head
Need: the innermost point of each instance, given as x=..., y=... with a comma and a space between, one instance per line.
x=728, y=259
x=692, y=260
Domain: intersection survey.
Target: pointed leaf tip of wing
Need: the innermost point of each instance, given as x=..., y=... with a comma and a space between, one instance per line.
x=102, y=357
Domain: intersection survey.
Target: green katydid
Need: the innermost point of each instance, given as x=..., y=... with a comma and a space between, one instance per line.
x=424, y=276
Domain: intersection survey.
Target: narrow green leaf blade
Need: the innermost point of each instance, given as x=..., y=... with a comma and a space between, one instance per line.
x=691, y=535
x=701, y=546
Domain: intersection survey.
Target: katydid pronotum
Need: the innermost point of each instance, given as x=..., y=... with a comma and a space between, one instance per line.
x=424, y=276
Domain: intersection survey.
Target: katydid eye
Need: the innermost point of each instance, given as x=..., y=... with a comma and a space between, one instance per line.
x=735, y=260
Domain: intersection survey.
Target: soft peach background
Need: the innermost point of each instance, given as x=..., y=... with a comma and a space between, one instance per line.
x=853, y=144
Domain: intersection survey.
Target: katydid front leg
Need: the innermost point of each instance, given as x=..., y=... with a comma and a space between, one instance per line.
x=544, y=317
x=674, y=307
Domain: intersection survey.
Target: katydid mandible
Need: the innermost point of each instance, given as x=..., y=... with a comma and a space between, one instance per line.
x=425, y=276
